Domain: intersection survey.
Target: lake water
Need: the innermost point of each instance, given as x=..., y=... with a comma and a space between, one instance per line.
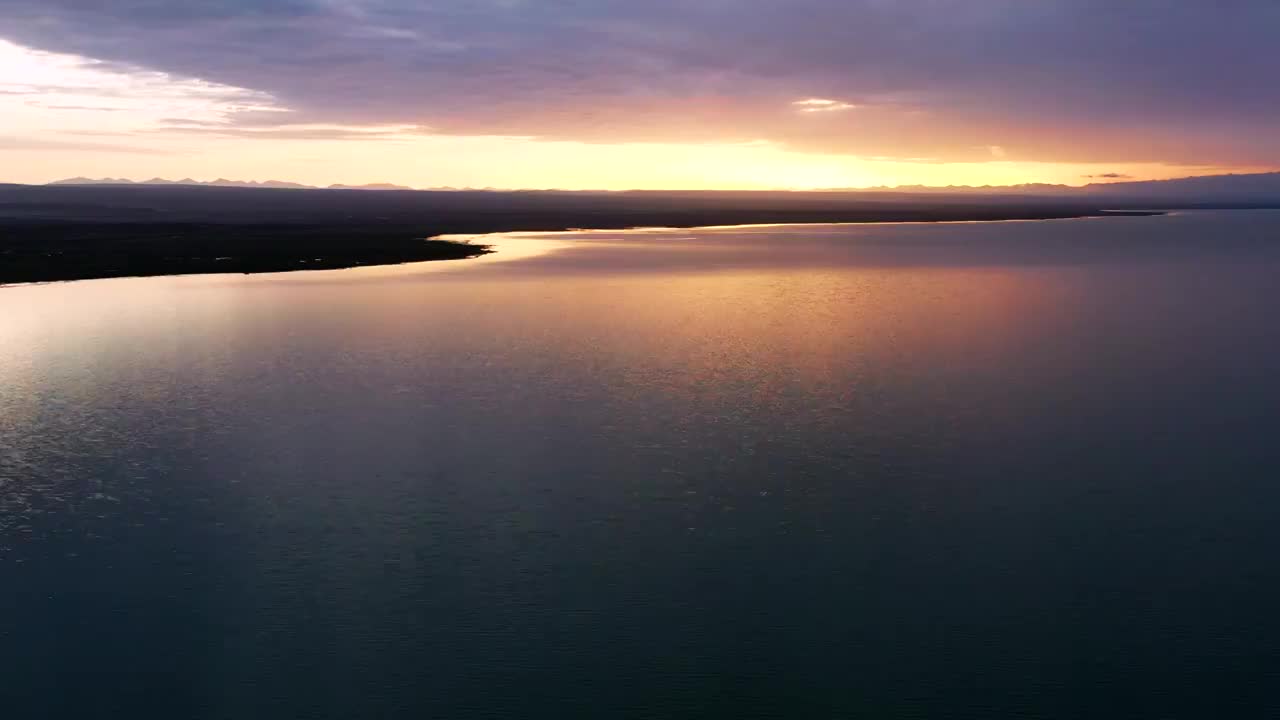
x=903, y=471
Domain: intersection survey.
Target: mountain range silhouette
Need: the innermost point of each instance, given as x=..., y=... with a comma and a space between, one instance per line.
x=1252, y=187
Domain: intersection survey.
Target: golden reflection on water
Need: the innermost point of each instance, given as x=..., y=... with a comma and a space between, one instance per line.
x=614, y=444
x=802, y=314
x=701, y=318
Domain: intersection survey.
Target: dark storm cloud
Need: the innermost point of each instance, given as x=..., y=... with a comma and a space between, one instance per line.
x=1177, y=80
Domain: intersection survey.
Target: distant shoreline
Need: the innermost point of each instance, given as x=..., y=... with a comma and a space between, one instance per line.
x=42, y=250
x=71, y=232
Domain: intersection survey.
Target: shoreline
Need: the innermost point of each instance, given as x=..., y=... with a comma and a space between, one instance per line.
x=39, y=250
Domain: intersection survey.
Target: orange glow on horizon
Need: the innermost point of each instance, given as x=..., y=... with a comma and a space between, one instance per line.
x=113, y=123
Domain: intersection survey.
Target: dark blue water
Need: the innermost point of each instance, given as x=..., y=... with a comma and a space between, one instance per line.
x=962, y=471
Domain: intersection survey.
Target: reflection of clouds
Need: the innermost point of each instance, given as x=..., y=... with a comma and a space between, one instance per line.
x=89, y=423
x=958, y=244
x=999, y=244
x=117, y=389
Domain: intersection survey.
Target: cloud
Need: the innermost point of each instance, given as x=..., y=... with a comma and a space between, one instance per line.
x=1109, y=176
x=812, y=105
x=43, y=81
x=47, y=145
x=89, y=108
x=178, y=126
x=1057, y=80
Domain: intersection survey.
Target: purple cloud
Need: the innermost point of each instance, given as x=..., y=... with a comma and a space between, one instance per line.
x=1084, y=80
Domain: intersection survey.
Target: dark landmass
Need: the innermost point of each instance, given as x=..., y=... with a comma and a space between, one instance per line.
x=1254, y=190
x=223, y=182
x=42, y=250
x=68, y=232
x=1236, y=190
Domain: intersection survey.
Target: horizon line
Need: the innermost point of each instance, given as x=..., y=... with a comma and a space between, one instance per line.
x=377, y=186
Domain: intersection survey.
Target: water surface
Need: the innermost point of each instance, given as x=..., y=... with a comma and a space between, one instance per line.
x=903, y=471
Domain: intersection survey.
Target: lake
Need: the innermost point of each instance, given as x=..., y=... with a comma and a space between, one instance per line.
x=1025, y=469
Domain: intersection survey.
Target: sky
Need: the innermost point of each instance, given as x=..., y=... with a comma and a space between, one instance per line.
x=615, y=94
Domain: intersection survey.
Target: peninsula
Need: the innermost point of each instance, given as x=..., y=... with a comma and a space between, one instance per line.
x=81, y=231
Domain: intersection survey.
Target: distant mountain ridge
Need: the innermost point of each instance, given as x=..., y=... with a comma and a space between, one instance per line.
x=223, y=182
x=962, y=189
x=370, y=186
x=1233, y=188
x=1245, y=187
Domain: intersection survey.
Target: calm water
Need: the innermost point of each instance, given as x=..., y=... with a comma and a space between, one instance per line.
x=912, y=471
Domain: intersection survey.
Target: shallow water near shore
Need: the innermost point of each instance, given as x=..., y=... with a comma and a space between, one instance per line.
x=1021, y=469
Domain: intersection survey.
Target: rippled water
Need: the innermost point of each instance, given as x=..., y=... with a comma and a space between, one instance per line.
x=977, y=470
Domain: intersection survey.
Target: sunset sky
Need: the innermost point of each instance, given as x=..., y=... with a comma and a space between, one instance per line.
x=657, y=94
